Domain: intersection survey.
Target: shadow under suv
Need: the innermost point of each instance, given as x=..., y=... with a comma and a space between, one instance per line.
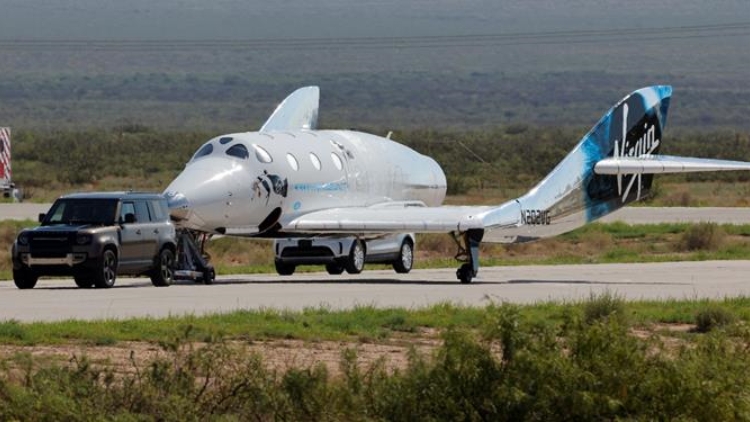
x=96, y=236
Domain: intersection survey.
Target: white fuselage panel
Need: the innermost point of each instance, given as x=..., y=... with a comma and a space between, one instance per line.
x=284, y=174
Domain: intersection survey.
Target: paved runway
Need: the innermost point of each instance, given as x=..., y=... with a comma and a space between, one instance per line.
x=22, y=211
x=59, y=299
x=55, y=300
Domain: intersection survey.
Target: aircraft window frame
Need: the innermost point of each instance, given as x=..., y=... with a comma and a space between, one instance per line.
x=238, y=151
x=204, y=151
x=292, y=160
x=337, y=161
x=261, y=154
x=225, y=140
x=315, y=161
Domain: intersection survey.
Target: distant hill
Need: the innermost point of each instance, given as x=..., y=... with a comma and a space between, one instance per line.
x=382, y=63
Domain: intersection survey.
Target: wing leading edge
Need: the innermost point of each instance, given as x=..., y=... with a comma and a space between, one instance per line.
x=661, y=164
x=398, y=218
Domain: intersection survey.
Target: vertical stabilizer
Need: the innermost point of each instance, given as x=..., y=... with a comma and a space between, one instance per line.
x=573, y=194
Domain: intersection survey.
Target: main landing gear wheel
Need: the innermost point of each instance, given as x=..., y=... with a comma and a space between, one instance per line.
x=465, y=273
x=355, y=263
x=405, y=260
x=468, y=251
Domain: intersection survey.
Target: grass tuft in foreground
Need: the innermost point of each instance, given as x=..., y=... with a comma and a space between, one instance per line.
x=521, y=363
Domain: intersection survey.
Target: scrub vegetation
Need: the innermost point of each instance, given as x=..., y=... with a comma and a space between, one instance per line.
x=600, y=359
x=482, y=166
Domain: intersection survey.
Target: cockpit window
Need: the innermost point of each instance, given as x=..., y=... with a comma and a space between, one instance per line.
x=262, y=155
x=203, y=151
x=225, y=140
x=239, y=151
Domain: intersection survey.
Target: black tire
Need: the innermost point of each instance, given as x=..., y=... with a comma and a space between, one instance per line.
x=284, y=269
x=465, y=273
x=106, y=272
x=405, y=260
x=162, y=275
x=209, y=275
x=25, y=279
x=335, y=268
x=84, y=281
x=355, y=262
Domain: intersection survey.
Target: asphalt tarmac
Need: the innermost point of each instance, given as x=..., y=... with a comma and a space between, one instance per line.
x=55, y=300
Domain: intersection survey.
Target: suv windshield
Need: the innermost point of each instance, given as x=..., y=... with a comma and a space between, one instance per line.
x=82, y=211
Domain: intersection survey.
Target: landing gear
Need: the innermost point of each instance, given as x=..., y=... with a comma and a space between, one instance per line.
x=468, y=253
x=465, y=273
x=192, y=262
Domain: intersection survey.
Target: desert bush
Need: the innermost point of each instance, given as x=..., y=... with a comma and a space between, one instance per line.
x=603, y=306
x=712, y=317
x=703, y=236
x=575, y=371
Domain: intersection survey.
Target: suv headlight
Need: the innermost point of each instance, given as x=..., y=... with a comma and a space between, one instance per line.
x=83, y=238
x=23, y=239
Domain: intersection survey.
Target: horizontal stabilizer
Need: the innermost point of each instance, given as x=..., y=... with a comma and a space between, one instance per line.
x=298, y=111
x=661, y=164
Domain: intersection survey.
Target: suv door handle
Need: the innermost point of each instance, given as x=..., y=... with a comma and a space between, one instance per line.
x=156, y=231
x=138, y=231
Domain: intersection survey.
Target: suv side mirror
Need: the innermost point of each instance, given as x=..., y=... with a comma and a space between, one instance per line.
x=129, y=218
x=41, y=216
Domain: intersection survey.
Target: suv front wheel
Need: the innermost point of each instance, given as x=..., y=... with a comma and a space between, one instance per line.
x=163, y=273
x=24, y=279
x=106, y=272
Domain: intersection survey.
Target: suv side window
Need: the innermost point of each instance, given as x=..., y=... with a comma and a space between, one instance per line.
x=141, y=211
x=157, y=210
x=127, y=208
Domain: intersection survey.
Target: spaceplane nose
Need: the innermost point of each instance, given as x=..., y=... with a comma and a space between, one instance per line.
x=179, y=206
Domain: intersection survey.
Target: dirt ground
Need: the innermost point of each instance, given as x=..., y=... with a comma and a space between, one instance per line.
x=277, y=354
x=282, y=354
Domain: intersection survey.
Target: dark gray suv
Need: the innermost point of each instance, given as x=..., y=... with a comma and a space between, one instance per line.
x=96, y=236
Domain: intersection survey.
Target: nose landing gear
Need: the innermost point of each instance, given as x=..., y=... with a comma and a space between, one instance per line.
x=192, y=262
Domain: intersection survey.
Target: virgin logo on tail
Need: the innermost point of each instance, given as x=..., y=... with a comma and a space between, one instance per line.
x=642, y=147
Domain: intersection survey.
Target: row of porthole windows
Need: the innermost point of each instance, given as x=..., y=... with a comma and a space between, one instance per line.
x=264, y=157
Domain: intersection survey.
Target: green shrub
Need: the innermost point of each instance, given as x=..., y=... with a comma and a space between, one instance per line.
x=713, y=317
x=703, y=236
x=578, y=371
x=602, y=307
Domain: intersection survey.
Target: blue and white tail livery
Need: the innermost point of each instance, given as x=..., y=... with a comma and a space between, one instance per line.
x=290, y=180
